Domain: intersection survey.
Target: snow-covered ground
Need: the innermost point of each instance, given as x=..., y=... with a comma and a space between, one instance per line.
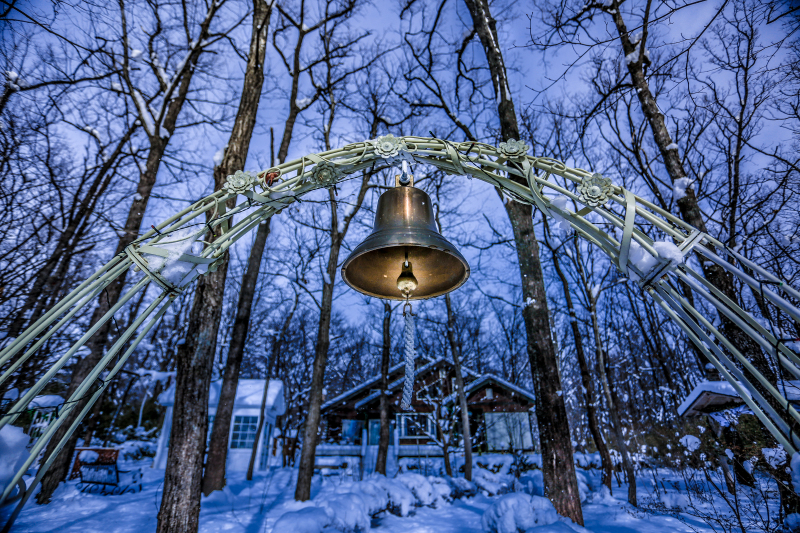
x=257, y=506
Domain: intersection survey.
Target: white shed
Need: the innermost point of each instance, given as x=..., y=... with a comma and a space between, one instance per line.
x=244, y=423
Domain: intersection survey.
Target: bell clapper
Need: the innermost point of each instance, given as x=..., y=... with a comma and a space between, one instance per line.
x=406, y=282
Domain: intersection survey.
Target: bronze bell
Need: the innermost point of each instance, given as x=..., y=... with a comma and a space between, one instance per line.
x=405, y=256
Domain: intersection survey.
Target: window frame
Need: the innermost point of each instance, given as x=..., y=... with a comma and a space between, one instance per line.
x=250, y=437
x=402, y=426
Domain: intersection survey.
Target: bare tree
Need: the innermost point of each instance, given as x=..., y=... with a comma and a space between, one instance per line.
x=559, y=471
x=168, y=99
x=565, y=24
x=587, y=377
x=234, y=159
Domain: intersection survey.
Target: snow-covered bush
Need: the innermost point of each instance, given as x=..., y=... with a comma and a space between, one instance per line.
x=420, y=486
x=12, y=452
x=588, y=460
x=348, y=512
x=673, y=500
x=136, y=450
x=490, y=483
x=308, y=520
x=583, y=485
x=442, y=490
x=374, y=497
x=497, y=464
x=401, y=499
x=518, y=512
x=795, y=465
x=461, y=488
x=420, y=465
x=533, y=482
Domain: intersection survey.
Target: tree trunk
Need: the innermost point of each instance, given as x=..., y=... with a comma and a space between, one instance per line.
x=311, y=427
x=560, y=481
x=96, y=345
x=383, y=441
x=276, y=348
x=688, y=206
x=462, y=395
x=558, y=466
x=613, y=408
x=448, y=468
x=307, y=454
x=180, y=505
x=588, y=382
x=214, y=478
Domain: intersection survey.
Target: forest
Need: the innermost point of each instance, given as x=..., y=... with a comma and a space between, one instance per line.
x=556, y=390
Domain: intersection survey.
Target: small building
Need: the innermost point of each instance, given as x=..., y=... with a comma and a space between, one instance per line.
x=244, y=423
x=709, y=397
x=500, y=413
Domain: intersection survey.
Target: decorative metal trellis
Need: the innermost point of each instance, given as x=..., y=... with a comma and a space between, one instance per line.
x=270, y=191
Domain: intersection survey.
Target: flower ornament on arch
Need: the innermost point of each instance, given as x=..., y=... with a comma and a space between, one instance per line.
x=513, y=150
x=325, y=174
x=595, y=190
x=389, y=146
x=239, y=182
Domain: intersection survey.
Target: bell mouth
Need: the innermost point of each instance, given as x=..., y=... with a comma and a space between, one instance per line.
x=374, y=272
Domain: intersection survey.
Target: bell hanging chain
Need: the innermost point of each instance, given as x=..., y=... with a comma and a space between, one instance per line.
x=410, y=355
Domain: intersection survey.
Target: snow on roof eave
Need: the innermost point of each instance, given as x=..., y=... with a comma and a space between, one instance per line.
x=358, y=388
x=722, y=388
x=276, y=402
x=395, y=384
x=500, y=381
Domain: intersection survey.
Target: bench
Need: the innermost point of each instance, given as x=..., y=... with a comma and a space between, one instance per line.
x=102, y=475
x=319, y=467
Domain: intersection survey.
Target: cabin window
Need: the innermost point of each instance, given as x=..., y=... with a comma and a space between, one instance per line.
x=244, y=432
x=417, y=426
x=351, y=431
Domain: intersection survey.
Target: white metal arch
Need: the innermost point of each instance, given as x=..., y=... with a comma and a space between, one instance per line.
x=272, y=190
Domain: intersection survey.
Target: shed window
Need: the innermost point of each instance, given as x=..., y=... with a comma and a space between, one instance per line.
x=416, y=426
x=505, y=431
x=244, y=432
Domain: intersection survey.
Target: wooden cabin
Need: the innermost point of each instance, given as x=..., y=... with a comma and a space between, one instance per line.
x=500, y=413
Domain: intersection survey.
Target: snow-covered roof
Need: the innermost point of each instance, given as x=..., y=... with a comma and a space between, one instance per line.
x=481, y=379
x=249, y=393
x=46, y=400
x=397, y=383
x=393, y=385
x=355, y=390
x=710, y=396
x=478, y=383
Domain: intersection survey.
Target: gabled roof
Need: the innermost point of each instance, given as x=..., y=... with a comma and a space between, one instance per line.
x=355, y=390
x=398, y=382
x=478, y=383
